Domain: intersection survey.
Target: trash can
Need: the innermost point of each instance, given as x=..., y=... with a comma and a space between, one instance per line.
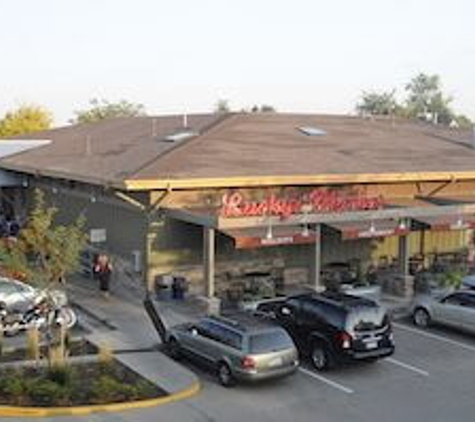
x=163, y=283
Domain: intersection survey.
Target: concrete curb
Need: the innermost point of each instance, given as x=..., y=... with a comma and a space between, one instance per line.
x=40, y=412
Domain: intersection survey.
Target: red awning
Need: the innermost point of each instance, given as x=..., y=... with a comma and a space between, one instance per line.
x=370, y=229
x=259, y=237
x=449, y=222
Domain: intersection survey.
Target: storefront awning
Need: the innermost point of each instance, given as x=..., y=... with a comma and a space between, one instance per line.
x=370, y=229
x=258, y=237
x=448, y=222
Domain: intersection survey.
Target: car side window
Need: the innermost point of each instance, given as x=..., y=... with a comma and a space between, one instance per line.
x=231, y=338
x=8, y=288
x=220, y=333
x=454, y=299
x=470, y=301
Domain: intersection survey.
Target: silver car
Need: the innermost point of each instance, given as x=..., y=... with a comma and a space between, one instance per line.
x=241, y=347
x=14, y=293
x=456, y=309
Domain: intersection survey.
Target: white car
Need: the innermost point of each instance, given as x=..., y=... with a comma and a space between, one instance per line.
x=16, y=294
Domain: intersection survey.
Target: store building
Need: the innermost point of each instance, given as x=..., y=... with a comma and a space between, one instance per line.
x=214, y=196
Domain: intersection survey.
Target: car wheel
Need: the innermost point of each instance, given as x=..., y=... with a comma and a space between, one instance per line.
x=421, y=318
x=173, y=348
x=320, y=357
x=225, y=376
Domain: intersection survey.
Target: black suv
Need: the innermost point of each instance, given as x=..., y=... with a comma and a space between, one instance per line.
x=333, y=327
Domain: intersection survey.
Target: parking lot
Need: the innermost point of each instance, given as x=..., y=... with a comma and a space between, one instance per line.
x=429, y=378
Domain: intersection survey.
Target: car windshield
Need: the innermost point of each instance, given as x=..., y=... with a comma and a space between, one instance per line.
x=367, y=319
x=269, y=341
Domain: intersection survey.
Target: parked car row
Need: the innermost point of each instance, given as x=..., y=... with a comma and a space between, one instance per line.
x=327, y=329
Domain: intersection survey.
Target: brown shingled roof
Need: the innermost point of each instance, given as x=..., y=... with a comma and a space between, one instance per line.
x=105, y=152
x=251, y=147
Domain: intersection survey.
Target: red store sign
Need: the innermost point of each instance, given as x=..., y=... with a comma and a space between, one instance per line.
x=316, y=201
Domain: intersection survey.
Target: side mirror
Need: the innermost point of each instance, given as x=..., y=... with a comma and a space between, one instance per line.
x=285, y=311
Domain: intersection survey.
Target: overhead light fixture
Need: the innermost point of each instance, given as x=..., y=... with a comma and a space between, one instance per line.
x=372, y=228
x=460, y=221
x=305, y=230
x=402, y=224
x=269, y=234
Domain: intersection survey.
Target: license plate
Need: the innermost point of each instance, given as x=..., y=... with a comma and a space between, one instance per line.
x=371, y=344
x=275, y=362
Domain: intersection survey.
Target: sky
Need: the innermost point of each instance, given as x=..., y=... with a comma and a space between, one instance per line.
x=182, y=56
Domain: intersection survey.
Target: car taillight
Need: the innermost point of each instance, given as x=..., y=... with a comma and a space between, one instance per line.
x=248, y=363
x=344, y=340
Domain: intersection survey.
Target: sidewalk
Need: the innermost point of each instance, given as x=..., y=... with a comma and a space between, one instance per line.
x=122, y=324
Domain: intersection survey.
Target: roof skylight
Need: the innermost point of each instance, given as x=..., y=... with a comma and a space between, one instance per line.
x=180, y=136
x=312, y=131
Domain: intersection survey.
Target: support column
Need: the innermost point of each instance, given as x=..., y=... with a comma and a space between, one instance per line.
x=318, y=259
x=147, y=253
x=403, y=254
x=209, y=260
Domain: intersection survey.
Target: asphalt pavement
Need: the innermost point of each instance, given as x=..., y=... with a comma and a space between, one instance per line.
x=429, y=378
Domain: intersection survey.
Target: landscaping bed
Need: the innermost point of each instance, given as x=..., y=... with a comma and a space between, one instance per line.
x=73, y=385
x=77, y=347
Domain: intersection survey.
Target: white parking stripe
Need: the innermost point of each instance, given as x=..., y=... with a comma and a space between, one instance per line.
x=407, y=366
x=435, y=337
x=327, y=381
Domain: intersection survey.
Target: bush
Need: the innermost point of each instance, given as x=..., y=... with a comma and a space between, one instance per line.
x=45, y=392
x=60, y=375
x=107, y=388
x=452, y=279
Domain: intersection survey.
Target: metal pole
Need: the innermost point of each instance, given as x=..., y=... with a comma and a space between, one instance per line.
x=318, y=257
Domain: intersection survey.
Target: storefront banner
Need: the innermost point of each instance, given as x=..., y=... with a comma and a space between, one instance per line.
x=250, y=242
x=373, y=233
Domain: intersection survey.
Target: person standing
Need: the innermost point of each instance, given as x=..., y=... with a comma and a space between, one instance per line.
x=103, y=271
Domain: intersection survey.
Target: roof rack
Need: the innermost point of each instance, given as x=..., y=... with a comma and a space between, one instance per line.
x=227, y=320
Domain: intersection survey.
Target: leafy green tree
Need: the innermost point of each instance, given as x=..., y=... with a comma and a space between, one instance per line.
x=378, y=104
x=101, y=109
x=25, y=119
x=222, y=106
x=44, y=252
x=426, y=100
x=463, y=122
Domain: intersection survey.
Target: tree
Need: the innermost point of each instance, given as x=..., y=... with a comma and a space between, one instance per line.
x=222, y=106
x=44, y=254
x=426, y=100
x=461, y=121
x=25, y=119
x=44, y=251
x=263, y=108
x=381, y=104
x=101, y=109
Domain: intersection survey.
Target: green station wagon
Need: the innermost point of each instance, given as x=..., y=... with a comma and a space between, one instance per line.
x=240, y=347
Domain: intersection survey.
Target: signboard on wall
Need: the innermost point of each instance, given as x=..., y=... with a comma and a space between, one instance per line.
x=97, y=235
x=316, y=201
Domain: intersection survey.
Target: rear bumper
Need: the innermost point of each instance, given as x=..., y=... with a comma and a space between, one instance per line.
x=254, y=376
x=381, y=352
